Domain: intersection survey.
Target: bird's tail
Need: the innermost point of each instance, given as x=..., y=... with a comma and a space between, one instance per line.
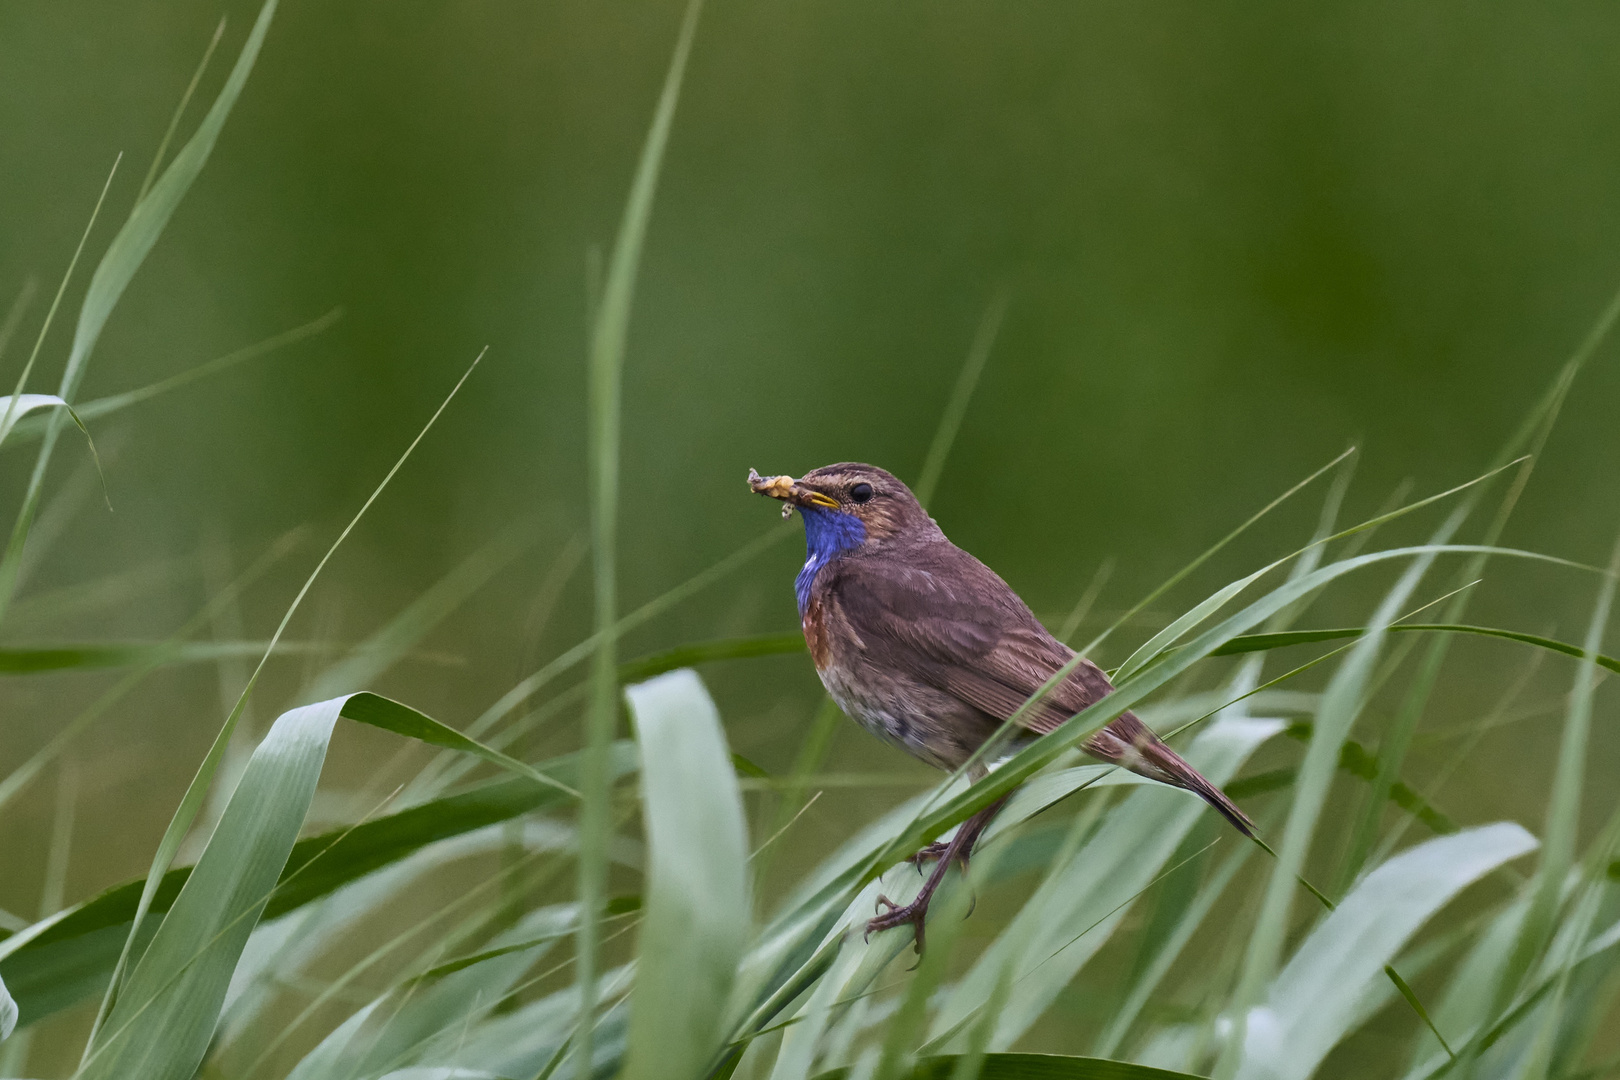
x=1132, y=744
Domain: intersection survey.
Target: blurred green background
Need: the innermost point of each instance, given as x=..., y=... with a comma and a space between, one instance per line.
x=1234, y=237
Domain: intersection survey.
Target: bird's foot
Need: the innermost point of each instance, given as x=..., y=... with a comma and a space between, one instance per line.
x=930, y=853
x=913, y=913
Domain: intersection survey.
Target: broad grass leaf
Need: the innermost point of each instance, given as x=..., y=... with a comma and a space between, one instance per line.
x=59, y=961
x=161, y=1025
x=697, y=904
x=281, y=950
x=1312, y=1003
x=1034, y=1067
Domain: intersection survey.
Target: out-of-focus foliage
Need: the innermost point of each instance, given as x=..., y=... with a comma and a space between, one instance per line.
x=1104, y=280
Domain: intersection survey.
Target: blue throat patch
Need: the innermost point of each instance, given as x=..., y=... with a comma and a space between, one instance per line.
x=827, y=535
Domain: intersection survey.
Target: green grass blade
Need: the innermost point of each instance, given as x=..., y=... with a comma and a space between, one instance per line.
x=1311, y=1005
x=191, y=802
x=56, y=301
x=950, y=421
x=63, y=959
x=1033, y=1067
x=403, y=720
x=114, y=403
x=22, y=775
x=1563, y=811
x=162, y=1022
x=604, y=379
x=1532, y=437
x=1043, y=946
x=1169, y=949
x=179, y=112
x=385, y=648
x=43, y=659
x=118, y=266
x=1210, y=553
x=697, y=906
x=704, y=652
x=1263, y=642
x=1341, y=704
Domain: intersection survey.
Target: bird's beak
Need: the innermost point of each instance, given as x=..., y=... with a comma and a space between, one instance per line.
x=791, y=491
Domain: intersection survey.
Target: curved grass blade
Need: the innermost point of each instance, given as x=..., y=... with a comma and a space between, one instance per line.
x=1342, y=702
x=56, y=302
x=1311, y=1005
x=118, y=266
x=697, y=906
x=1248, y=643
x=17, y=406
x=1076, y=909
x=191, y=801
x=113, y=403
x=162, y=1022
x=381, y=712
x=180, y=111
x=788, y=953
x=1532, y=437
x=605, y=376
x=1209, y=554
x=1563, y=815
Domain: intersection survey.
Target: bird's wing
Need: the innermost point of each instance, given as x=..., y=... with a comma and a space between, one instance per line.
x=947, y=619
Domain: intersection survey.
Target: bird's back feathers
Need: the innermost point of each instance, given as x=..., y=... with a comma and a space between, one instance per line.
x=931, y=611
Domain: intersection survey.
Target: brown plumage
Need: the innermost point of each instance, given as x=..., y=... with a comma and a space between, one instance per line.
x=927, y=647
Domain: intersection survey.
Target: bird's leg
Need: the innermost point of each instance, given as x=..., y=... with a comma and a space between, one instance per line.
x=956, y=850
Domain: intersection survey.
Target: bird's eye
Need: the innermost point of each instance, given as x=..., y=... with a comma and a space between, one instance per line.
x=861, y=493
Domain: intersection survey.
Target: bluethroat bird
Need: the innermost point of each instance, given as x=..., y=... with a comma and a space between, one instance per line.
x=928, y=648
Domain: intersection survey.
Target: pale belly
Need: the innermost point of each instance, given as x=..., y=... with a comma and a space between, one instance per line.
x=924, y=729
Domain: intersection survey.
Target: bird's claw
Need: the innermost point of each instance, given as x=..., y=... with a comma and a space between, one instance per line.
x=914, y=913
x=929, y=853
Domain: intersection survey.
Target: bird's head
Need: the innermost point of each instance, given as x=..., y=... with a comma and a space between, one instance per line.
x=860, y=503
